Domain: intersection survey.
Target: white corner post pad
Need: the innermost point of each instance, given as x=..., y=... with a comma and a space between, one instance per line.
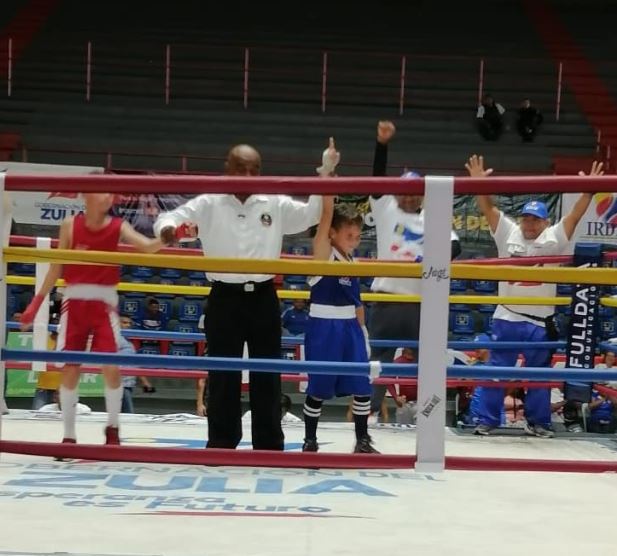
x=435, y=288
x=41, y=319
x=5, y=228
x=374, y=370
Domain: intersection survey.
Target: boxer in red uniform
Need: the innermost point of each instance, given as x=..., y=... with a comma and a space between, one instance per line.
x=89, y=307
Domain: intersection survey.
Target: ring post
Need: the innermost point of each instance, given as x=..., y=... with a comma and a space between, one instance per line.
x=41, y=319
x=434, y=308
x=5, y=228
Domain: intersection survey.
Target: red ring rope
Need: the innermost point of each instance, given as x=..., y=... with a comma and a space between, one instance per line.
x=263, y=458
x=302, y=185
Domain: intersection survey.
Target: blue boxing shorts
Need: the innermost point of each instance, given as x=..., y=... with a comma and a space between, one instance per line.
x=338, y=340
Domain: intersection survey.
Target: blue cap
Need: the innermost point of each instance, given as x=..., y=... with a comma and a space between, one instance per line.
x=482, y=338
x=410, y=175
x=536, y=208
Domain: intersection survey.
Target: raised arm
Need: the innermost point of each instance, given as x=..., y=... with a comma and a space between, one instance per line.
x=475, y=167
x=571, y=220
x=322, y=248
x=385, y=132
x=130, y=235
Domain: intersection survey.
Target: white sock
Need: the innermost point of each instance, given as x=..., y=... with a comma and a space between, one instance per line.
x=68, y=403
x=113, y=404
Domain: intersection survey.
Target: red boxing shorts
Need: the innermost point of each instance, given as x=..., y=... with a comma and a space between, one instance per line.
x=82, y=318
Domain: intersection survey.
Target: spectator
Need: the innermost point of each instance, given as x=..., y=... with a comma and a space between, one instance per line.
x=242, y=308
x=55, y=407
x=295, y=318
x=490, y=118
x=151, y=318
x=399, y=223
x=406, y=398
x=533, y=235
x=514, y=406
x=602, y=414
x=128, y=382
x=286, y=416
x=476, y=409
x=608, y=360
x=529, y=119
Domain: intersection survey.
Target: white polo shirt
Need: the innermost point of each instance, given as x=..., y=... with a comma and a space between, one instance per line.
x=511, y=243
x=400, y=237
x=250, y=230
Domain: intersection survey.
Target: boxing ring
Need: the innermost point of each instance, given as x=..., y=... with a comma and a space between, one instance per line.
x=161, y=472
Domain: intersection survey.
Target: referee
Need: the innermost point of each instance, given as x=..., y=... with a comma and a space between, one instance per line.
x=242, y=307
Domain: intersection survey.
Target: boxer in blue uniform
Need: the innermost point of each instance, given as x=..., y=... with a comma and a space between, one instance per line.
x=336, y=329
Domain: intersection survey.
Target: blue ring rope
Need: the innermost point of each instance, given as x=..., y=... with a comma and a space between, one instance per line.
x=298, y=340
x=314, y=367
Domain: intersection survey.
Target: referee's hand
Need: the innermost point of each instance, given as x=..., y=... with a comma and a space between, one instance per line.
x=168, y=235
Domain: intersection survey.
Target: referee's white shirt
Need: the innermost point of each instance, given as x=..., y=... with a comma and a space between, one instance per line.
x=250, y=230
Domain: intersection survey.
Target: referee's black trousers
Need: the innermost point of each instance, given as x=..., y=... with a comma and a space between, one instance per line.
x=235, y=316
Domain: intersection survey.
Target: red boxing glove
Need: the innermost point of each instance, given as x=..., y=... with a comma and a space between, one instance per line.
x=27, y=317
x=186, y=232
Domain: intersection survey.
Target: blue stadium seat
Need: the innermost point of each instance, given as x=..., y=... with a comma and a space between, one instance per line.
x=166, y=305
x=187, y=327
x=197, y=279
x=486, y=317
x=190, y=310
x=458, y=285
x=606, y=311
x=23, y=269
x=170, y=275
x=607, y=328
x=484, y=286
x=295, y=279
x=131, y=303
x=142, y=272
x=182, y=349
x=150, y=349
x=563, y=309
x=462, y=321
x=12, y=305
x=564, y=289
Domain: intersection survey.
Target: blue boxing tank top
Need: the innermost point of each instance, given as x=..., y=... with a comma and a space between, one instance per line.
x=341, y=293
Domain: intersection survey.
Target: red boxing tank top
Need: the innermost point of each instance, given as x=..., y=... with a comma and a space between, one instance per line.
x=105, y=239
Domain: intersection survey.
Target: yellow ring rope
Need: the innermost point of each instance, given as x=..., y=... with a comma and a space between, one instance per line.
x=561, y=275
x=304, y=294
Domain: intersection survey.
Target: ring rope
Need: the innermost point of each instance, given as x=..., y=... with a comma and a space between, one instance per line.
x=268, y=458
x=27, y=241
x=315, y=367
x=164, y=289
x=604, y=276
x=163, y=335
x=296, y=378
x=293, y=185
